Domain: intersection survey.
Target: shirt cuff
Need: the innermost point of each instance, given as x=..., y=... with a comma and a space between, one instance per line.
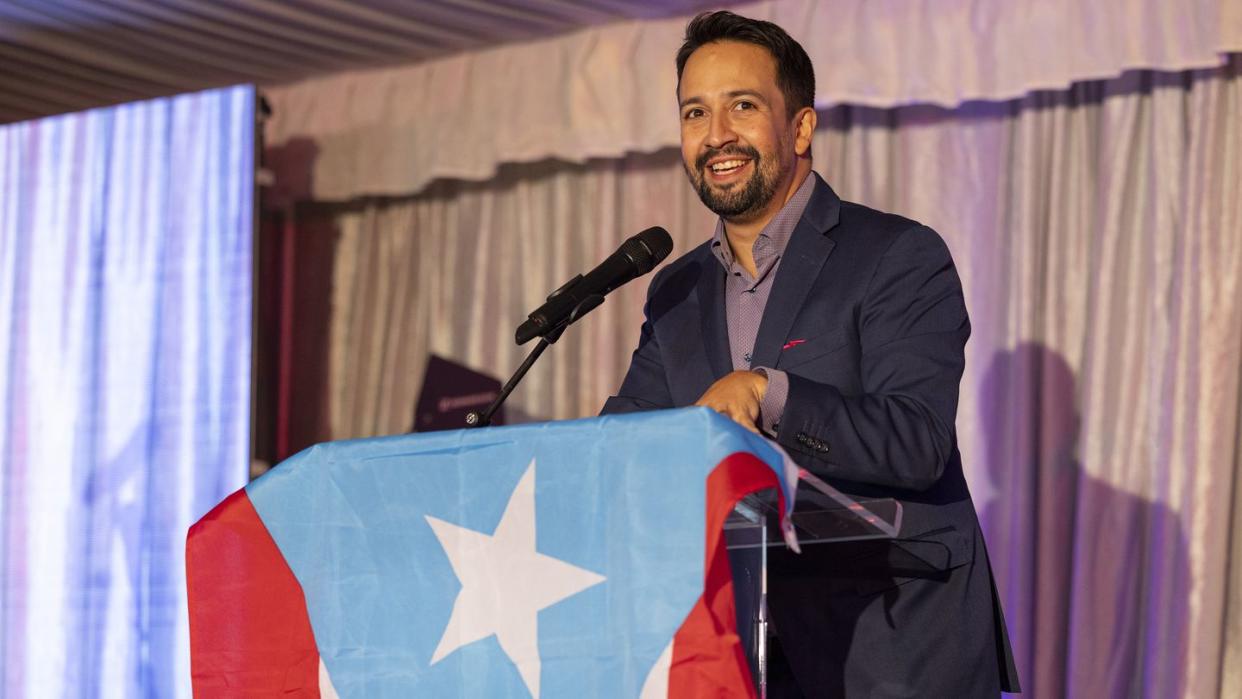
x=772, y=405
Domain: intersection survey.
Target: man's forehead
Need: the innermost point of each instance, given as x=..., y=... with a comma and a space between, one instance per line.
x=724, y=68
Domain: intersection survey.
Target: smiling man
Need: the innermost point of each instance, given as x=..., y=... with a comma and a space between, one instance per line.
x=839, y=331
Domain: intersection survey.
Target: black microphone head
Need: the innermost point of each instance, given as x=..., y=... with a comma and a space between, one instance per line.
x=638, y=255
x=649, y=248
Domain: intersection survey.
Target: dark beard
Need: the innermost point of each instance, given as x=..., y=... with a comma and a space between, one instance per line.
x=736, y=202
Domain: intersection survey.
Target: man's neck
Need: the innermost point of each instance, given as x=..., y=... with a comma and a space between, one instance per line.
x=741, y=234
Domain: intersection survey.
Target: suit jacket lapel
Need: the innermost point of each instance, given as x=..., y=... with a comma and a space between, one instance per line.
x=712, y=314
x=799, y=268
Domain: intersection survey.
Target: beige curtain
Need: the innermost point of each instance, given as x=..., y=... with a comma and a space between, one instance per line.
x=1098, y=233
x=454, y=271
x=606, y=90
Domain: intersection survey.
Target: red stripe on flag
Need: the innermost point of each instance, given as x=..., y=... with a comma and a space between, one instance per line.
x=250, y=634
x=708, y=657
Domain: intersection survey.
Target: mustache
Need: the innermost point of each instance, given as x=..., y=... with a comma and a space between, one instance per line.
x=749, y=151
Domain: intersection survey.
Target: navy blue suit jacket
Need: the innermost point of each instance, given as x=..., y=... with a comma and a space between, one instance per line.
x=876, y=302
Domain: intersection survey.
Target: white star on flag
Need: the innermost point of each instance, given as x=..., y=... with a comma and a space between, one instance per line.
x=505, y=582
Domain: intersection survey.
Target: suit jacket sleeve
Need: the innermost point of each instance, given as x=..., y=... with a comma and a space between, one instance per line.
x=912, y=329
x=645, y=386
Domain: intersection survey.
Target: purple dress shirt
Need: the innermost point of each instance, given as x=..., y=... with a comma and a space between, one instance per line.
x=747, y=296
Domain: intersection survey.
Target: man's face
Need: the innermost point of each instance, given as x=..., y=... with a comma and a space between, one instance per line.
x=736, y=139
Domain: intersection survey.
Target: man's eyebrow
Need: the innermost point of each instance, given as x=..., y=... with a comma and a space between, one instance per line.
x=746, y=93
x=695, y=99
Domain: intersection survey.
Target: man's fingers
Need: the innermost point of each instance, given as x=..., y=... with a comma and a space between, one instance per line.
x=745, y=421
x=734, y=397
x=737, y=413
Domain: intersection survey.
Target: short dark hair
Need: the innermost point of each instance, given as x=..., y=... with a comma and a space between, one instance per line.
x=794, y=73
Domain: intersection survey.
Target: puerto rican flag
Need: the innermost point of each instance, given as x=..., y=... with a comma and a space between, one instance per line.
x=580, y=558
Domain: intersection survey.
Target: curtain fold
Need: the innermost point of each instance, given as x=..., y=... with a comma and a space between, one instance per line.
x=607, y=91
x=452, y=272
x=1098, y=233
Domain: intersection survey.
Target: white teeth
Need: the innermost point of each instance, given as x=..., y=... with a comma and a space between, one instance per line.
x=727, y=165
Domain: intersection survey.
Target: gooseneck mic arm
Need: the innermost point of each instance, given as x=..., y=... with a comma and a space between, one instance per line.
x=637, y=256
x=483, y=418
x=579, y=296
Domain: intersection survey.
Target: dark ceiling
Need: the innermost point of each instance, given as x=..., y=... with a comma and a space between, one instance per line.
x=60, y=56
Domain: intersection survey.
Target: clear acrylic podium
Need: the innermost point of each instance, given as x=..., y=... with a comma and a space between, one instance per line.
x=821, y=514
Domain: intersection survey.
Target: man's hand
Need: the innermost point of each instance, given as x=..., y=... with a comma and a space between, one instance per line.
x=737, y=396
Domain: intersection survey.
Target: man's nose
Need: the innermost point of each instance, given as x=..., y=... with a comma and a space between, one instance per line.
x=720, y=132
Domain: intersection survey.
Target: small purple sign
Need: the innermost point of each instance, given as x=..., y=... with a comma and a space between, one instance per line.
x=450, y=391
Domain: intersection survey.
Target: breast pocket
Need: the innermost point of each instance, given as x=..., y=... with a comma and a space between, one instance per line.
x=800, y=351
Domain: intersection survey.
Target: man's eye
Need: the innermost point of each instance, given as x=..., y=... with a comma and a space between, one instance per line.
x=693, y=114
x=744, y=105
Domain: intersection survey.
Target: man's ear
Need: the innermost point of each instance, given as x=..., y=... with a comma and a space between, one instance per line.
x=804, y=128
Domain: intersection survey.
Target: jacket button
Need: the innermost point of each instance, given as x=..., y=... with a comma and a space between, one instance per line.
x=802, y=438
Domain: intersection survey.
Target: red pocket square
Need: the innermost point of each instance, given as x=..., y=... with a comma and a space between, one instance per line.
x=792, y=343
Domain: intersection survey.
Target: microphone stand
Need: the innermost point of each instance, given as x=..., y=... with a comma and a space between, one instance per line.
x=482, y=419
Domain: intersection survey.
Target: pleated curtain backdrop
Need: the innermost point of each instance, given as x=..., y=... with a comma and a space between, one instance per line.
x=125, y=303
x=1098, y=233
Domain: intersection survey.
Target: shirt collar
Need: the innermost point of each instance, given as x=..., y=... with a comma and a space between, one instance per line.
x=771, y=242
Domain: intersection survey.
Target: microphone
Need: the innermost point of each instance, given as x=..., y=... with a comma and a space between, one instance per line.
x=637, y=256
